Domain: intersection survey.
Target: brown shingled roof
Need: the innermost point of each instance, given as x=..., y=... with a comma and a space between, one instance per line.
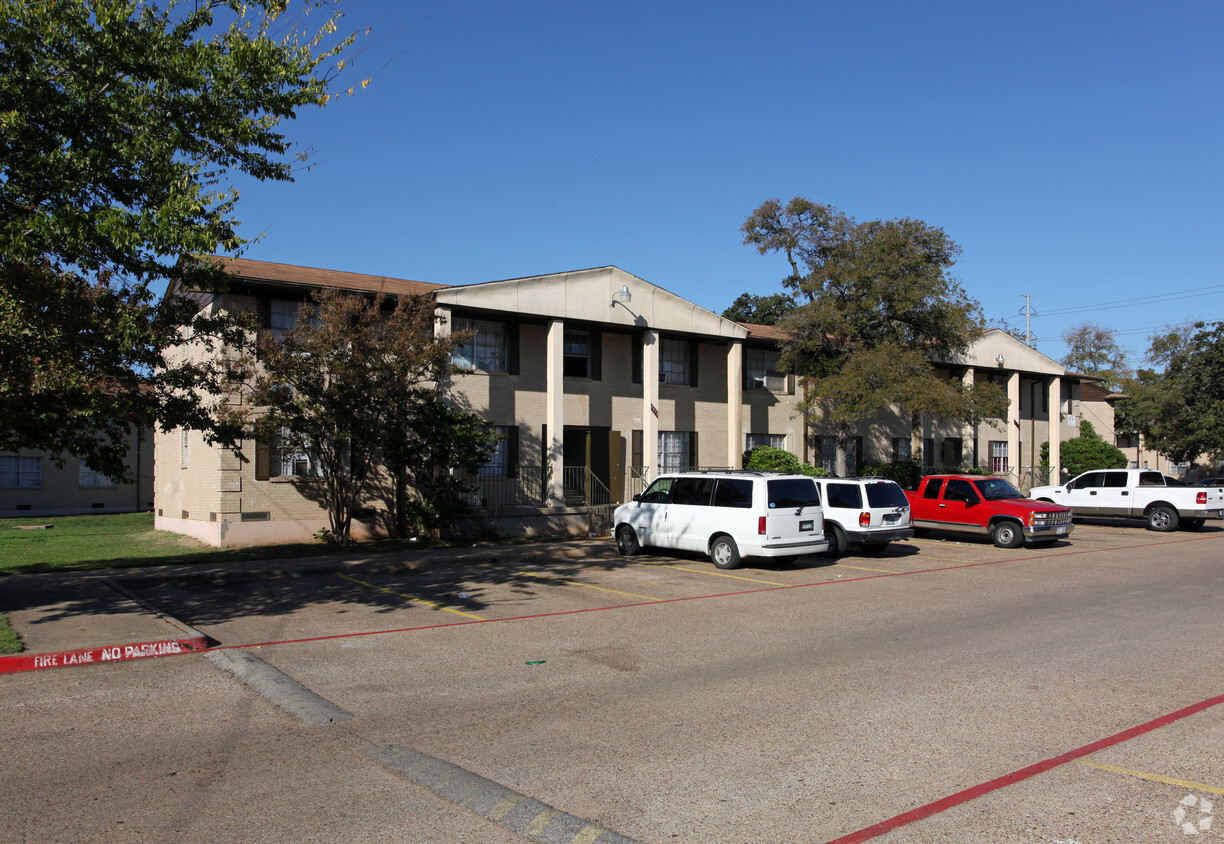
x=315, y=278
x=768, y=332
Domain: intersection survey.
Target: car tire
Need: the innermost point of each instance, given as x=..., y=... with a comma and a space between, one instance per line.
x=837, y=541
x=1007, y=534
x=627, y=541
x=874, y=549
x=724, y=553
x=1163, y=519
x=1192, y=524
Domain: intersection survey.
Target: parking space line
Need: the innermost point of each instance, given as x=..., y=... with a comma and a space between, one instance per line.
x=964, y=796
x=412, y=598
x=550, y=578
x=864, y=568
x=720, y=574
x=1196, y=786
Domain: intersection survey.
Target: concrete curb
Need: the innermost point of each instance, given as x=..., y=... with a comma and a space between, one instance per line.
x=516, y=812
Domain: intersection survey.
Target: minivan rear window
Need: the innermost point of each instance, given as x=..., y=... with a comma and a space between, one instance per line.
x=886, y=495
x=793, y=492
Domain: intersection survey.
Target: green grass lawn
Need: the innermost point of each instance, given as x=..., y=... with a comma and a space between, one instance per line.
x=123, y=540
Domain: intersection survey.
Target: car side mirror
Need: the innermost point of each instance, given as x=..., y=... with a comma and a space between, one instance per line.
x=638, y=498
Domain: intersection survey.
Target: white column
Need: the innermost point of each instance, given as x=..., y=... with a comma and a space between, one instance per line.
x=968, y=432
x=735, y=404
x=1013, y=424
x=1054, y=434
x=650, y=403
x=554, y=412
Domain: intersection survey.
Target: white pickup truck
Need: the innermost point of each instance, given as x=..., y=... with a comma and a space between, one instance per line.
x=1136, y=494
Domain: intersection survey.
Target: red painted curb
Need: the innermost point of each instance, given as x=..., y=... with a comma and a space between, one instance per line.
x=109, y=653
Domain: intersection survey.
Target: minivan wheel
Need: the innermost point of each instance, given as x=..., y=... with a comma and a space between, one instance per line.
x=724, y=553
x=627, y=541
x=1007, y=535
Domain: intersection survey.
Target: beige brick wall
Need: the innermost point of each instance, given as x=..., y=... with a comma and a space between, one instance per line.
x=60, y=490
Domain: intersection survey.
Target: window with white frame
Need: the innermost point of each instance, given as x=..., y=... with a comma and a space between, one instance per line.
x=770, y=440
x=496, y=464
x=902, y=449
x=673, y=450
x=998, y=456
x=761, y=371
x=95, y=480
x=485, y=349
x=289, y=460
x=20, y=472
x=674, y=362
x=282, y=315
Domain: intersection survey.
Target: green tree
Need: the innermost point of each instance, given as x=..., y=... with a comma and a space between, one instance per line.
x=355, y=386
x=877, y=306
x=1093, y=349
x=122, y=123
x=1179, y=411
x=1086, y=452
x=759, y=310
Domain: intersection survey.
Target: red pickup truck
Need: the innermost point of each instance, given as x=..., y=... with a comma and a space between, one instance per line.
x=986, y=505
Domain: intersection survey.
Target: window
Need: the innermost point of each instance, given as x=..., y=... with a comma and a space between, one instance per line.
x=692, y=491
x=289, y=460
x=282, y=315
x=761, y=371
x=485, y=350
x=673, y=451
x=503, y=462
x=952, y=451
x=770, y=440
x=183, y=447
x=733, y=492
x=998, y=456
x=959, y=490
x=848, y=496
x=928, y=453
x=931, y=490
x=828, y=454
x=674, y=358
x=20, y=472
x=90, y=478
x=902, y=449
x=577, y=354
x=658, y=492
x=792, y=492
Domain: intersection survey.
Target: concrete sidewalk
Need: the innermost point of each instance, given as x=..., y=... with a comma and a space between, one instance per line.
x=84, y=617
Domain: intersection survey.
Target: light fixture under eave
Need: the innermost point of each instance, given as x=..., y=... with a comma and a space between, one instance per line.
x=622, y=295
x=999, y=361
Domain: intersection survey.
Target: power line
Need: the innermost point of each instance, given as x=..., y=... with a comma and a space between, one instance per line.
x=1142, y=300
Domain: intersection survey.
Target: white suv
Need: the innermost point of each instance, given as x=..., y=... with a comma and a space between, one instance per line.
x=728, y=515
x=864, y=512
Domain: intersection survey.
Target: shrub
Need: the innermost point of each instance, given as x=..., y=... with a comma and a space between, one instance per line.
x=907, y=473
x=764, y=458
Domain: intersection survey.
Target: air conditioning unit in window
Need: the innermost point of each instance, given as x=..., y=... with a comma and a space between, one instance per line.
x=772, y=381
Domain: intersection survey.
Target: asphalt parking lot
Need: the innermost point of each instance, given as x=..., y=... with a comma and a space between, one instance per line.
x=945, y=691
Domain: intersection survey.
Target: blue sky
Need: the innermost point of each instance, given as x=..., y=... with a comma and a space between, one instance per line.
x=1072, y=150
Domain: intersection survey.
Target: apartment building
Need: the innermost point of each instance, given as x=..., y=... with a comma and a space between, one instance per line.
x=597, y=380
x=33, y=484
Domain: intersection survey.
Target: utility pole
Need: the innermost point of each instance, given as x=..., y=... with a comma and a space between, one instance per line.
x=1028, y=313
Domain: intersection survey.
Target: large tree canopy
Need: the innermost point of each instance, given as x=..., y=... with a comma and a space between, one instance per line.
x=877, y=307
x=121, y=123
x=1180, y=410
x=1093, y=349
x=355, y=388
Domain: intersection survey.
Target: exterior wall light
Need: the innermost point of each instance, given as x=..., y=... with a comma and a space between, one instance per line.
x=623, y=295
x=999, y=361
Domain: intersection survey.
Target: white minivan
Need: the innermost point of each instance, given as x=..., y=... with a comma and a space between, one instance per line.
x=727, y=515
